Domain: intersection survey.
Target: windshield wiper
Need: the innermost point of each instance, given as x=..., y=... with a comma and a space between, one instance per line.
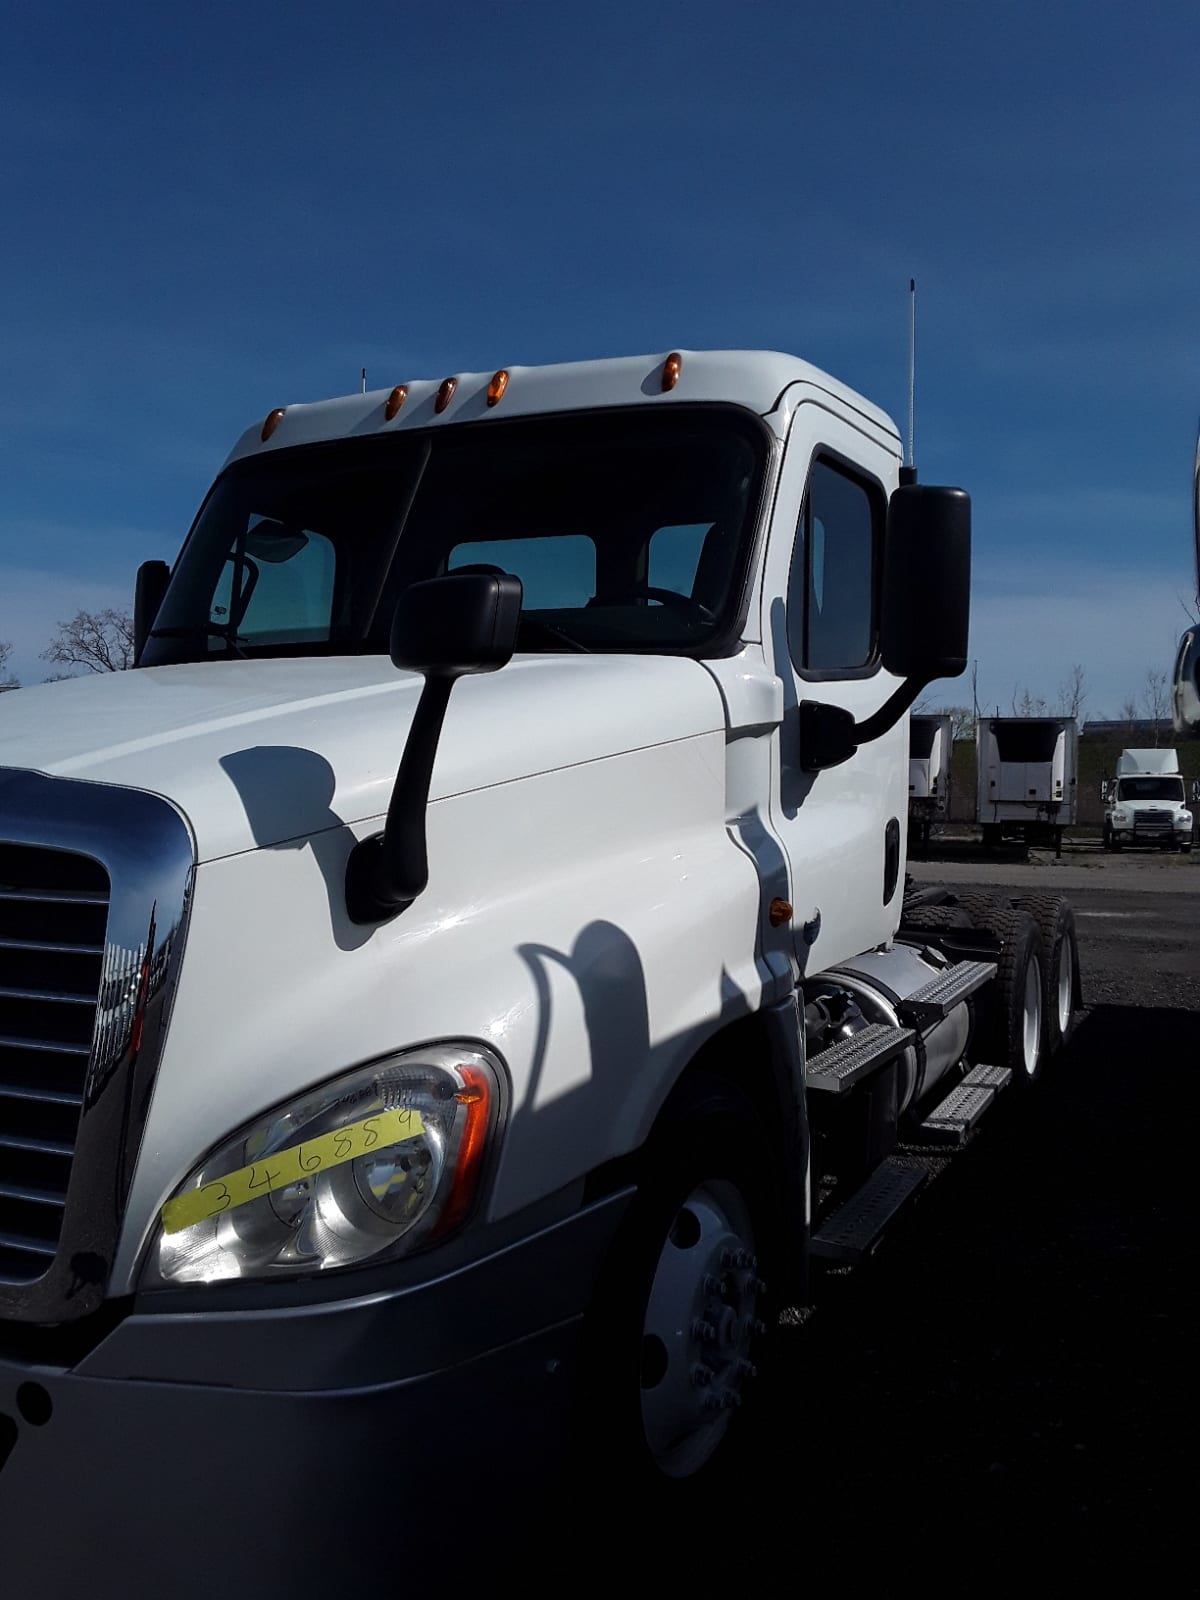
x=203, y=630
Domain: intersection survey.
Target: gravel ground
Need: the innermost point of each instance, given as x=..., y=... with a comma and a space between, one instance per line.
x=1002, y=1396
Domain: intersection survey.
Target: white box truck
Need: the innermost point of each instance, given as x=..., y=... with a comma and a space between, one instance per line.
x=1027, y=779
x=1145, y=804
x=457, y=982
x=930, y=764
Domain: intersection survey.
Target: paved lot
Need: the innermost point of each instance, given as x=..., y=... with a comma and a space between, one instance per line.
x=1000, y=1401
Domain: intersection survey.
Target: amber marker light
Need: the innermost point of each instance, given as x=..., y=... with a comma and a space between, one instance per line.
x=476, y=1096
x=672, y=367
x=779, y=912
x=445, y=394
x=496, y=388
x=394, y=401
x=274, y=418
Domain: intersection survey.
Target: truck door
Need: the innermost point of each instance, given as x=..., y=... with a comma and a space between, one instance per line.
x=843, y=829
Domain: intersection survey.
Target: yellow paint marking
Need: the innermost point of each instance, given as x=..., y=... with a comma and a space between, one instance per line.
x=298, y=1162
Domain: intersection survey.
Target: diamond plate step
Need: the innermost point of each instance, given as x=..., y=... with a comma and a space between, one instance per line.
x=835, y=1070
x=951, y=1122
x=996, y=1078
x=854, y=1229
x=933, y=1000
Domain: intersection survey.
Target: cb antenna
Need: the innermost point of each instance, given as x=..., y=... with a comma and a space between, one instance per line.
x=908, y=472
x=364, y=380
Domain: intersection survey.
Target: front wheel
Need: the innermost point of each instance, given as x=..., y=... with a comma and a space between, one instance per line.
x=678, y=1320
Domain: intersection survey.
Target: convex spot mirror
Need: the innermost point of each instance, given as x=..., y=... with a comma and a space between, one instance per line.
x=462, y=623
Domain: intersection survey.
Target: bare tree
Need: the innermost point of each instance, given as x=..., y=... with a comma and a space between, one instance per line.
x=1072, y=692
x=7, y=681
x=1129, y=711
x=100, y=641
x=962, y=718
x=1026, y=704
x=1156, y=699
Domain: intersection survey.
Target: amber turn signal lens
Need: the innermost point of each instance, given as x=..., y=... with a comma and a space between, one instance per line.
x=274, y=418
x=779, y=912
x=445, y=394
x=394, y=401
x=672, y=367
x=497, y=387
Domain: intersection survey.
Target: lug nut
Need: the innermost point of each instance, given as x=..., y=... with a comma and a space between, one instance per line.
x=704, y=1331
x=758, y=1326
x=747, y=1369
x=712, y=1402
x=715, y=1285
x=730, y=1400
x=702, y=1375
x=756, y=1285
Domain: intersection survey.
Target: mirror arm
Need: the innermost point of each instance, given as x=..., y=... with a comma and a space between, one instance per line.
x=387, y=872
x=829, y=735
x=890, y=712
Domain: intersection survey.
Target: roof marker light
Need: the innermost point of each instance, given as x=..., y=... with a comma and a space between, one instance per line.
x=445, y=394
x=394, y=401
x=274, y=418
x=672, y=367
x=495, y=389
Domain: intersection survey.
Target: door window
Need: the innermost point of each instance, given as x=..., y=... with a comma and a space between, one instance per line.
x=831, y=599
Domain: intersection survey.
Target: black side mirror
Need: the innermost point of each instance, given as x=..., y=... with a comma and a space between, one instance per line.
x=446, y=628
x=926, y=583
x=463, y=623
x=925, y=618
x=152, y=580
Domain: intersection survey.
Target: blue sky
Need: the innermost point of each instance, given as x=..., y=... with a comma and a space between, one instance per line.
x=214, y=210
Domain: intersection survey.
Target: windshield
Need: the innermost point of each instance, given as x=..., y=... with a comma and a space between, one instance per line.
x=1151, y=789
x=629, y=530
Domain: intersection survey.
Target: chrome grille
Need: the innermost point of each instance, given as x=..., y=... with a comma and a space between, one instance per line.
x=53, y=916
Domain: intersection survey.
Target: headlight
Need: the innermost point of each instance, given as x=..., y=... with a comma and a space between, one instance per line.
x=1184, y=821
x=371, y=1165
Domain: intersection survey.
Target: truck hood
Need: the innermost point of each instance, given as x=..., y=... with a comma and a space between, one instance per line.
x=258, y=752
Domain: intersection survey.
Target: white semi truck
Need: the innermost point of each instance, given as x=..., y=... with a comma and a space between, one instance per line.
x=1145, y=804
x=1027, y=779
x=930, y=767
x=459, y=980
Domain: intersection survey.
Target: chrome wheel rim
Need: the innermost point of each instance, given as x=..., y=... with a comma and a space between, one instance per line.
x=1031, y=1021
x=1065, y=986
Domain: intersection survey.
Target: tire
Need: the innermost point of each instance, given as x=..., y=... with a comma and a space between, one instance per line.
x=1061, y=996
x=934, y=919
x=979, y=904
x=678, y=1318
x=1011, y=1032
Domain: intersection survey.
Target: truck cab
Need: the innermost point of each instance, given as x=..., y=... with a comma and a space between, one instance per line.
x=1145, y=804
x=465, y=972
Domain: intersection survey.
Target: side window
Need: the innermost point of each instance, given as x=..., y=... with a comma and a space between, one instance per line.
x=284, y=580
x=674, y=556
x=831, y=591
